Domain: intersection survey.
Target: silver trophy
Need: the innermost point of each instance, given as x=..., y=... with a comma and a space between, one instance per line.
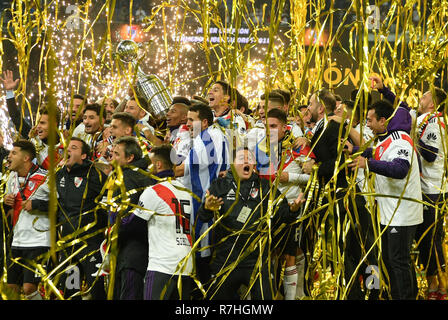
x=149, y=87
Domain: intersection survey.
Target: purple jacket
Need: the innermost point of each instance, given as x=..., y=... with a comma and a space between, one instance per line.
x=401, y=121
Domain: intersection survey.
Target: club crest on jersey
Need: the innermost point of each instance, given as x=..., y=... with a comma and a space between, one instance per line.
x=254, y=192
x=31, y=185
x=381, y=151
x=78, y=181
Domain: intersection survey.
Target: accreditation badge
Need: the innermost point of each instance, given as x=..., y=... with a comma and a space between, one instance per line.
x=244, y=214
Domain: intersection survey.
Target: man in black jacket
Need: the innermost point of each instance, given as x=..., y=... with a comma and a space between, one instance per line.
x=325, y=144
x=132, y=256
x=79, y=185
x=244, y=224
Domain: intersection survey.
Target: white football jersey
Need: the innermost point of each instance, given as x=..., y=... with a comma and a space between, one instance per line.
x=80, y=132
x=167, y=210
x=181, y=141
x=29, y=230
x=393, y=210
x=432, y=133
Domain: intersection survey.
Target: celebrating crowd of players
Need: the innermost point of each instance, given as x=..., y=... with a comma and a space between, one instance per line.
x=222, y=202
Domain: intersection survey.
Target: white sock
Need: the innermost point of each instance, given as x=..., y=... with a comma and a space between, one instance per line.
x=290, y=282
x=34, y=296
x=300, y=265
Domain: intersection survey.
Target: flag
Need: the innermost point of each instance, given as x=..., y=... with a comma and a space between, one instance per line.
x=206, y=159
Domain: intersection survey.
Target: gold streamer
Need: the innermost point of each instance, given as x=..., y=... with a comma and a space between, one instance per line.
x=407, y=53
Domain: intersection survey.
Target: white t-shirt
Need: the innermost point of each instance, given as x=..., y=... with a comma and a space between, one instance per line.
x=404, y=212
x=433, y=134
x=168, y=219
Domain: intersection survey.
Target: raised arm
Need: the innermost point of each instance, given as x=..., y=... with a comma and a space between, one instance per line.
x=402, y=119
x=9, y=84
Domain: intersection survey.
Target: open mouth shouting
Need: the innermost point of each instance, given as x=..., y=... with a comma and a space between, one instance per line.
x=89, y=128
x=211, y=100
x=244, y=171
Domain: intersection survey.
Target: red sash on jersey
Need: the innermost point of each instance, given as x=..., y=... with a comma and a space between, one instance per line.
x=291, y=155
x=167, y=195
x=429, y=118
x=32, y=182
x=181, y=129
x=380, y=149
x=57, y=157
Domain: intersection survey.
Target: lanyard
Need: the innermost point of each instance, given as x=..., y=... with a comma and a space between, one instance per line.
x=241, y=196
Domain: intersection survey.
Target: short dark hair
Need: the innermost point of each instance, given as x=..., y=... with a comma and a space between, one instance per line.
x=204, y=112
x=85, y=149
x=197, y=98
x=439, y=98
x=226, y=87
x=302, y=106
x=242, y=148
x=131, y=147
x=349, y=103
x=45, y=110
x=141, y=101
x=242, y=102
x=327, y=99
x=354, y=93
x=163, y=153
x=27, y=147
x=125, y=118
x=102, y=101
x=286, y=94
x=337, y=97
x=273, y=96
x=227, y=90
x=351, y=106
x=278, y=114
x=114, y=102
x=79, y=96
x=181, y=100
x=383, y=109
x=95, y=107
